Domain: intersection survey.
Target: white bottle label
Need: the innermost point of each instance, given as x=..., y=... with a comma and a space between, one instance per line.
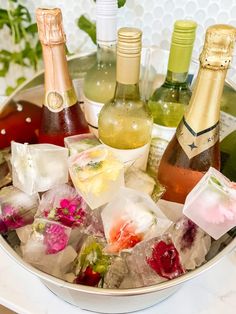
x=91, y=111
x=132, y=157
x=227, y=124
x=161, y=135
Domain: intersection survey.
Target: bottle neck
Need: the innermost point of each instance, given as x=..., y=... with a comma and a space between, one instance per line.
x=179, y=63
x=176, y=78
x=106, y=53
x=204, y=107
x=59, y=90
x=127, y=69
x=127, y=91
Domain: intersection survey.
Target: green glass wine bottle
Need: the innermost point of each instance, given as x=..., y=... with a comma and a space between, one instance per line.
x=100, y=81
x=125, y=123
x=228, y=133
x=168, y=102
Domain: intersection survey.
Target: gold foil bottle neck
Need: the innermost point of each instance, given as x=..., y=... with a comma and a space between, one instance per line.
x=50, y=27
x=129, y=42
x=218, y=47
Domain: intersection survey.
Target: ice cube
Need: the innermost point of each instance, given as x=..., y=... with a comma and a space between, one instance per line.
x=38, y=167
x=91, y=263
x=131, y=217
x=141, y=181
x=47, y=247
x=97, y=175
x=212, y=204
x=116, y=273
x=154, y=261
x=79, y=143
x=191, y=242
x=63, y=204
x=17, y=209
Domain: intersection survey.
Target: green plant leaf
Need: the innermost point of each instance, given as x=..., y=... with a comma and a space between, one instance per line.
x=88, y=27
x=121, y=3
x=10, y=89
x=32, y=29
x=4, y=19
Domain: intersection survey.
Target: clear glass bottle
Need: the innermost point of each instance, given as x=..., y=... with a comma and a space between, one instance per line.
x=62, y=115
x=125, y=123
x=100, y=80
x=168, y=102
x=195, y=147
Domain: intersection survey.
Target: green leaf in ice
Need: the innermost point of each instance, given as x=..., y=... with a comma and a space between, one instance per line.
x=88, y=27
x=216, y=181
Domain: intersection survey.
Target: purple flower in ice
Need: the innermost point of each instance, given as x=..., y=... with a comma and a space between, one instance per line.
x=71, y=212
x=55, y=238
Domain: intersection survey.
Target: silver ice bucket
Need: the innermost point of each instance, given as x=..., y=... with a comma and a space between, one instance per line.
x=98, y=299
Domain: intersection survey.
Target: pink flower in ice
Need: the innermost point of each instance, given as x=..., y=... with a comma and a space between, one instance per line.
x=71, y=212
x=219, y=214
x=12, y=218
x=55, y=238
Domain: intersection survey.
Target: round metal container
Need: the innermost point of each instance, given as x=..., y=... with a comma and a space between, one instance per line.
x=90, y=298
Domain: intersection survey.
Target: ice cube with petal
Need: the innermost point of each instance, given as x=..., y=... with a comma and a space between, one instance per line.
x=212, y=204
x=97, y=175
x=17, y=209
x=131, y=217
x=81, y=142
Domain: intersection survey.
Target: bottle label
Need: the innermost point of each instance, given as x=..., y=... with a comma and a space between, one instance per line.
x=91, y=111
x=132, y=157
x=56, y=101
x=194, y=143
x=227, y=124
x=161, y=135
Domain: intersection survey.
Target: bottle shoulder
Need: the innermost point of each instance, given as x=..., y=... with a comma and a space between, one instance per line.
x=172, y=93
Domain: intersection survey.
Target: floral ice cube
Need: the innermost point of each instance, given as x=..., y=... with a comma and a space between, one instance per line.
x=38, y=167
x=141, y=181
x=212, y=204
x=91, y=263
x=154, y=261
x=17, y=209
x=47, y=246
x=131, y=217
x=79, y=143
x=63, y=204
x=191, y=242
x=97, y=175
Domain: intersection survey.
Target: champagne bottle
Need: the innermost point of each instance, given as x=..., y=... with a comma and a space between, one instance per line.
x=125, y=123
x=168, y=102
x=100, y=80
x=62, y=115
x=195, y=146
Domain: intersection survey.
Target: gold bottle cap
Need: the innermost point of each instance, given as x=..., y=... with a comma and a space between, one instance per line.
x=218, y=47
x=50, y=26
x=129, y=42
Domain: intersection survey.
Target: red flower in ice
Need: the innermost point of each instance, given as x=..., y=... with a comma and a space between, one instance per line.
x=71, y=212
x=189, y=234
x=55, y=238
x=88, y=277
x=165, y=260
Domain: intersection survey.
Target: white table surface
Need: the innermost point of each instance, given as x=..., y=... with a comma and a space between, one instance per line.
x=214, y=292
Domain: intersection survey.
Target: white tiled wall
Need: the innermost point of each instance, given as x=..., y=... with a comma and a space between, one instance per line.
x=155, y=17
